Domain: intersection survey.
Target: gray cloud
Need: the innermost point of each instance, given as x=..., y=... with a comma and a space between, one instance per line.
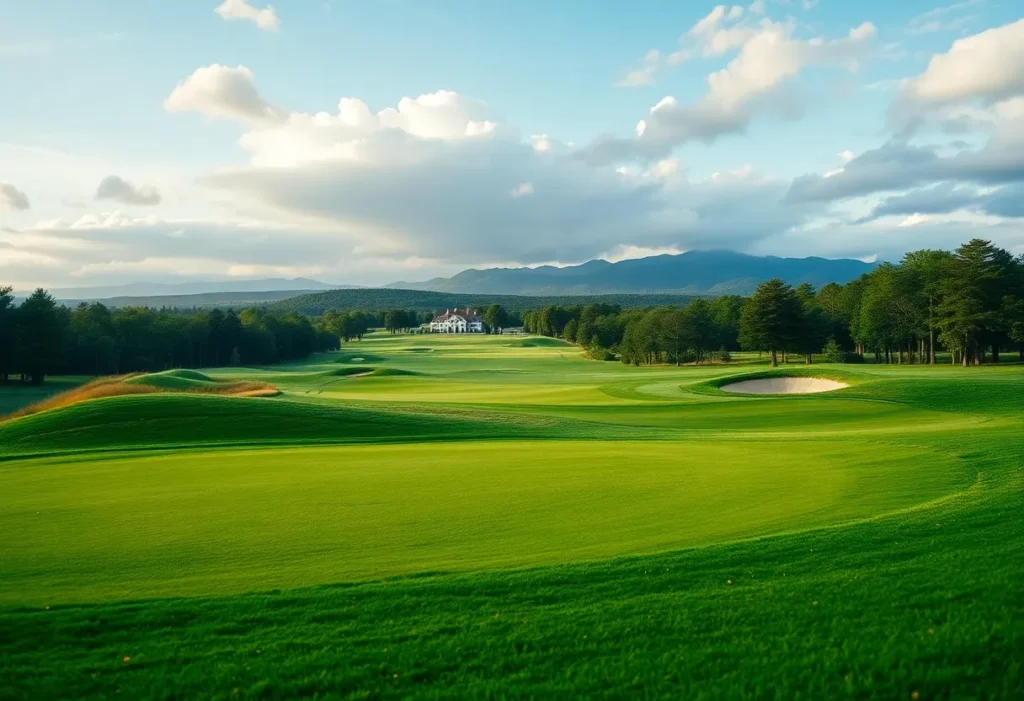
x=898, y=166
x=946, y=198
x=115, y=188
x=13, y=198
x=1005, y=202
x=889, y=242
x=456, y=200
x=939, y=199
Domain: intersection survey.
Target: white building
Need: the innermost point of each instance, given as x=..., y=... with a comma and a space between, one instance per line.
x=457, y=321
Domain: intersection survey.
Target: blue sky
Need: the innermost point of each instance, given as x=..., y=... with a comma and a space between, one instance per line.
x=148, y=92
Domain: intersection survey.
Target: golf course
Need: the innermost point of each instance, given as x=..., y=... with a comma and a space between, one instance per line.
x=484, y=516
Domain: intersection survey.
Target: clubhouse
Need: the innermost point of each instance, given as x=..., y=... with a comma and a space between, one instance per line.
x=457, y=321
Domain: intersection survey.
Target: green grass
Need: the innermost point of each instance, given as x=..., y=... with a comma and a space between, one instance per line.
x=174, y=379
x=487, y=520
x=200, y=523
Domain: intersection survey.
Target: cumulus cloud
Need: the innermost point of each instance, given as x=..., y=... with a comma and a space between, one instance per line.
x=754, y=82
x=266, y=19
x=441, y=176
x=988, y=66
x=116, y=188
x=966, y=86
x=223, y=92
x=13, y=198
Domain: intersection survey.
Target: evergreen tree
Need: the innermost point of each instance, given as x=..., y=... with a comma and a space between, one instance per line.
x=970, y=299
x=40, y=336
x=771, y=319
x=9, y=340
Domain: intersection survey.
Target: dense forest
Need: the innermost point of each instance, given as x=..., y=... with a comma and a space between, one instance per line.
x=968, y=303
x=39, y=337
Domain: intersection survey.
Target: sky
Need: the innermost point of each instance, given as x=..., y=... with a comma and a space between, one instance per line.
x=363, y=143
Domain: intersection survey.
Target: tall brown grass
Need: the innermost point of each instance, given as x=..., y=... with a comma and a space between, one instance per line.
x=116, y=385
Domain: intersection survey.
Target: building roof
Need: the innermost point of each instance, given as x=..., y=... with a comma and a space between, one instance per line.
x=466, y=314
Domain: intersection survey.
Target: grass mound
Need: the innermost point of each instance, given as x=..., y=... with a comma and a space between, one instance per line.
x=350, y=371
x=393, y=372
x=540, y=342
x=170, y=381
x=174, y=379
x=97, y=389
x=168, y=420
x=370, y=371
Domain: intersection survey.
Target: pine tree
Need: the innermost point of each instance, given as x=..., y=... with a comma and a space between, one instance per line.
x=771, y=319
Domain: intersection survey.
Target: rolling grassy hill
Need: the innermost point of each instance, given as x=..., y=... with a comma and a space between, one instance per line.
x=477, y=517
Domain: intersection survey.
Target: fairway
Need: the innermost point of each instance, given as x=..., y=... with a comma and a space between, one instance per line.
x=492, y=481
x=231, y=521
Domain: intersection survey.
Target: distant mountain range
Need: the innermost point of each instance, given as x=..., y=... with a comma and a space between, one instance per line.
x=665, y=276
x=693, y=273
x=161, y=289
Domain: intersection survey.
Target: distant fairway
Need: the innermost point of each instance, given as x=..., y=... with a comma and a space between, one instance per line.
x=479, y=516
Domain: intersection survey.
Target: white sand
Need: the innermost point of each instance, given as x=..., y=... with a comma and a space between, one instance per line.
x=784, y=385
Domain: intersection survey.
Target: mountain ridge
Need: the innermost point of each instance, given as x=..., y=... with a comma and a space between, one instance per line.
x=713, y=272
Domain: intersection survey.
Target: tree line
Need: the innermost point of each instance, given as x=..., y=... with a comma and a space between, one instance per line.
x=968, y=303
x=40, y=337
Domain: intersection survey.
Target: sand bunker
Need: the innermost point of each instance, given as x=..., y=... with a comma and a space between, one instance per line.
x=784, y=385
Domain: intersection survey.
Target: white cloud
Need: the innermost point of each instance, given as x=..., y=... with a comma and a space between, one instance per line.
x=753, y=82
x=665, y=168
x=643, y=75
x=224, y=92
x=114, y=187
x=632, y=252
x=944, y=18
x=988, y=67
x=13, y=198
x=266, y=19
